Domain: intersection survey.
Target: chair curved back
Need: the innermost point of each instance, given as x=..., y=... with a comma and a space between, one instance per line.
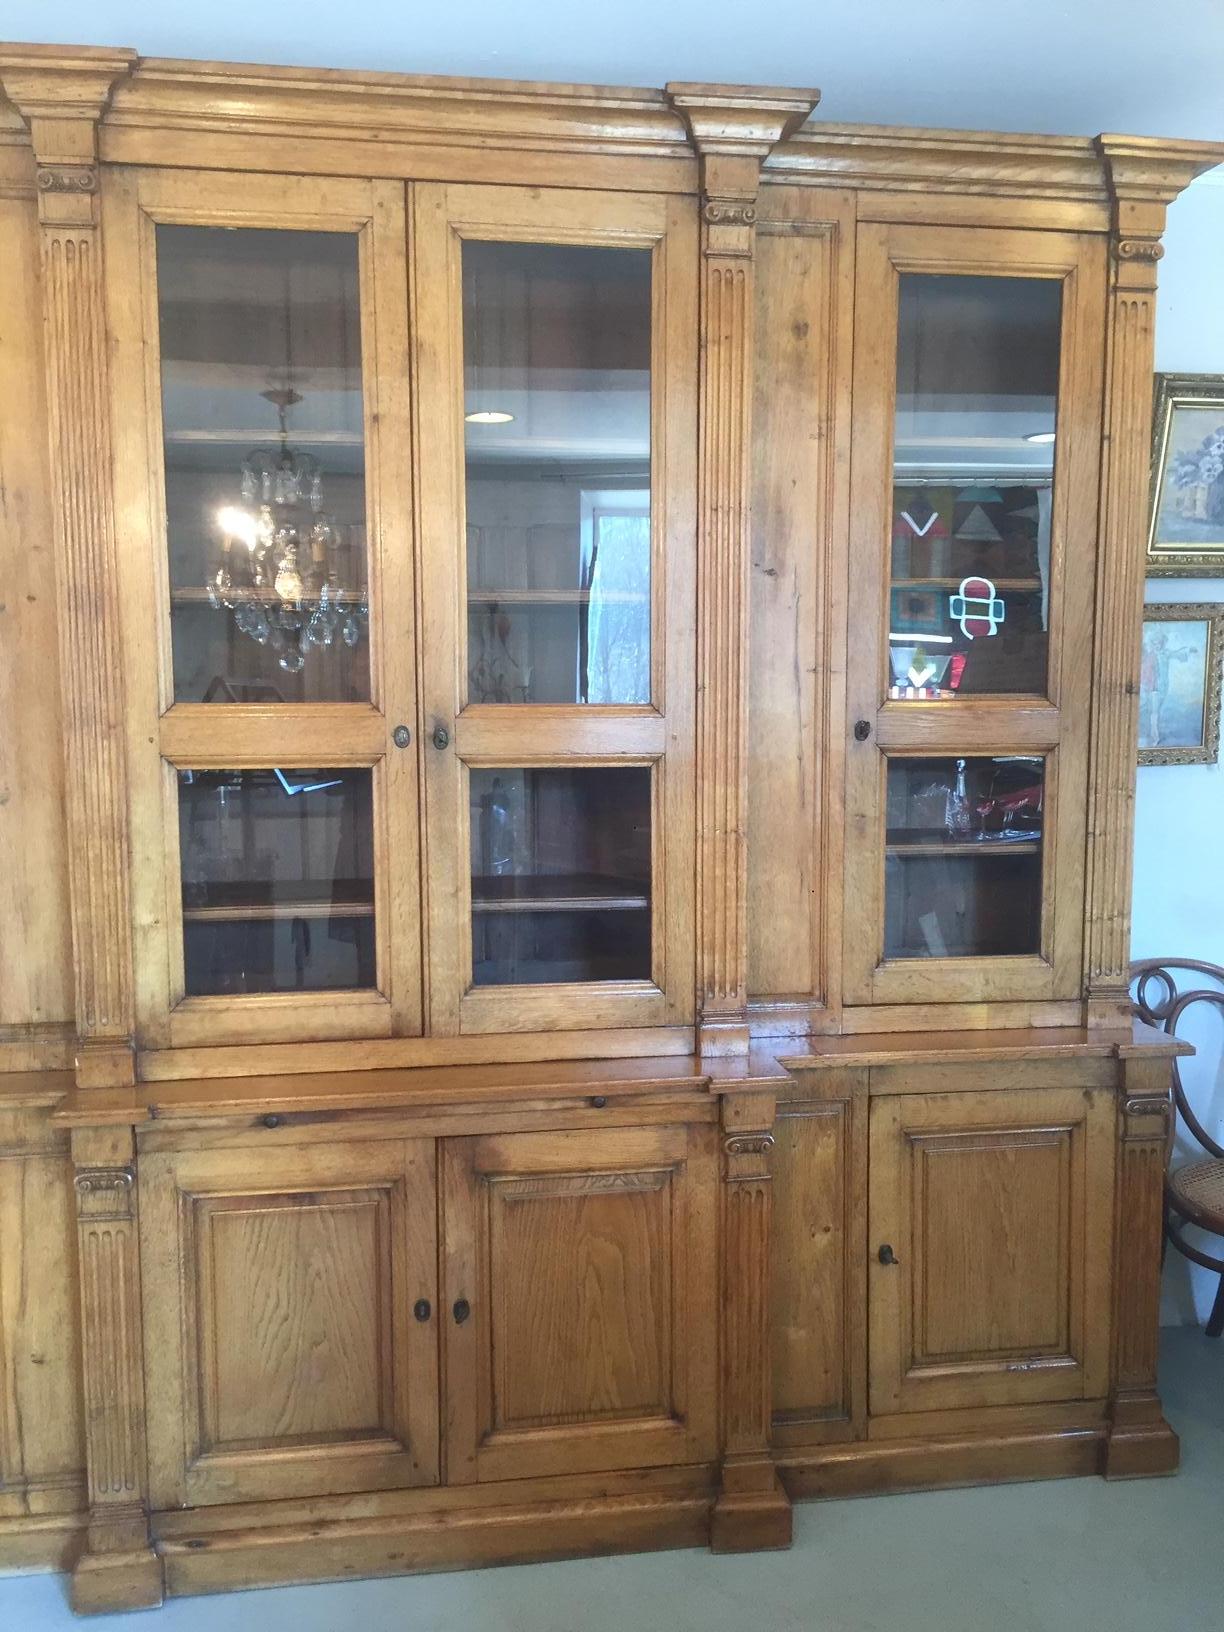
x=1158, y=1001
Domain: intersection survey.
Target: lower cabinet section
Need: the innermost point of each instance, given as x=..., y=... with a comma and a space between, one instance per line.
x=290, y=1320
x=294, y=1327
x=580, y=1288
x=938, y=1252
x=989, y=1248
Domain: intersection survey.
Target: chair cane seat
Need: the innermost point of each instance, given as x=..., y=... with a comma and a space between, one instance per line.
x=1197, y=1191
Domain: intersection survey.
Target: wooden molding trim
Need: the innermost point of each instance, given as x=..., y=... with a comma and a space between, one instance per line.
x=1143, y=176
x=732, y=129
x=61, y=94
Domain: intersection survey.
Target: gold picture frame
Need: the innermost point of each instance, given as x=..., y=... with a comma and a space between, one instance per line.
x=1186, y=526
x=1179, y=683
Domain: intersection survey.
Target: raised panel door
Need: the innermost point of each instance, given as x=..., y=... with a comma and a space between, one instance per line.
x=291, y=1345
x=989, y=1248
x=580, y=1278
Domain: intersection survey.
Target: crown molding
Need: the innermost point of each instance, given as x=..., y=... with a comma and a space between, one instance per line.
x=740, y=121
x=1149, y=170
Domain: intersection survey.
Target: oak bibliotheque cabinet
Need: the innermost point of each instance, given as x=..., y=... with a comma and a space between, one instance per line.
x=572, y=988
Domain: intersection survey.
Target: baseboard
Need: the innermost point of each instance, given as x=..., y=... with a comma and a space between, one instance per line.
x=444, y=1539
x=876, y=1466
x=49, y=1541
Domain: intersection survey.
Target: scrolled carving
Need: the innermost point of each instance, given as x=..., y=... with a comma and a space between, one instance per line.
x=749, y=1144
x=726, y=212
x=1139, y=249
x=67, y=178
x=102, y=1179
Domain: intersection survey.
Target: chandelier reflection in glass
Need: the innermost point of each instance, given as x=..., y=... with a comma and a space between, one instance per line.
x=280, y=555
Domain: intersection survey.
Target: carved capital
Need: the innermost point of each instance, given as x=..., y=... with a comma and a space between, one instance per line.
x=67, y=178
x=104, y=1192
x=1139, y=249
x=749, y=1144
x=1145, y=1119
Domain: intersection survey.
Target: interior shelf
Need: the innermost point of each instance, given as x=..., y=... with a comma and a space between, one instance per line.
x=924, y=846
x=955, y=583
x=255, y=905
x=197, y=595
x=558, y=893
x=268, y=434
x=553, y=597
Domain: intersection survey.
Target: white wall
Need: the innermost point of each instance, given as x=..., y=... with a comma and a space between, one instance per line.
x=1179, y=815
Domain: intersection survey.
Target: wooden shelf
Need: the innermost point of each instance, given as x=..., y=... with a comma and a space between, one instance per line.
x=249, y=911
x=197, y=595
x=560, y=893
x=553, y=597
x=269, y=436
x=963, y=847
x=955, y=583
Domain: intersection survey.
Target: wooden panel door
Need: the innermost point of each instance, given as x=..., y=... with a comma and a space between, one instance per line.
x=580, y=1285
x=977, y=413
x=291, y=1340
x=556, y=364
x=989, y=1248
x=819, y=1283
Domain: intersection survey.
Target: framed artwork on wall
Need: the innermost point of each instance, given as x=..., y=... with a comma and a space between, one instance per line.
x=1179, y=683
x=1186, y=532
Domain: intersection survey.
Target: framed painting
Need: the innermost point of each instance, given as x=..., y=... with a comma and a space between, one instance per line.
x=1179, y=684
x=1186, y=532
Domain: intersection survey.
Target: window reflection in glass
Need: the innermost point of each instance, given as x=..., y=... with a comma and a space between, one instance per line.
x=557, y=440
x=977, y=387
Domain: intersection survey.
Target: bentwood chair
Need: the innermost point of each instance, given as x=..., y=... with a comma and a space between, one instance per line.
x=1194, y=1190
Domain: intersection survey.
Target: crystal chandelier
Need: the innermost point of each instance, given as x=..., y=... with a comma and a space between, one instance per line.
x=280, y=554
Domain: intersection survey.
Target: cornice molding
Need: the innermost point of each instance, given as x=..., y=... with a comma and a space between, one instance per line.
x=1150, y=170
x=740, y=121
x=62, y=82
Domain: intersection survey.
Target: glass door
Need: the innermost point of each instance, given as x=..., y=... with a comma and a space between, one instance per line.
x=977, y=418
x=556, y=370
x=271, y=615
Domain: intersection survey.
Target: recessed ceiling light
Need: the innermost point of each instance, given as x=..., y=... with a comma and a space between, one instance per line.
x=488, y=416
x=1040, y=436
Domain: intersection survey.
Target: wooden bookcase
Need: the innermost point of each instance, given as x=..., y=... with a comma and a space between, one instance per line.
x=578, y=711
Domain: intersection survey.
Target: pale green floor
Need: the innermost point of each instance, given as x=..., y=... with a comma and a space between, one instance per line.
x=1071, y=1556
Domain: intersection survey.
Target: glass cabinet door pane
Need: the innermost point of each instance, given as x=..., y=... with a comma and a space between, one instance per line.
x=278, y=880
x=560, y=875
x=977, y=388
x=962, y=874
x=557, y=440
x=264, y=463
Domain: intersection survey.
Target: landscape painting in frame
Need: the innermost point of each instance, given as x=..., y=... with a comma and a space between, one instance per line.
x=1186, y=534
x=1179, y=684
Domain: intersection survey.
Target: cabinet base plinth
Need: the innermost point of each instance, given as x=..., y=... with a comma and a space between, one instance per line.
x=752, y=1524
x=753, y=1512
x=105, y=1583
x=416, y=1543
x=1141, y=1445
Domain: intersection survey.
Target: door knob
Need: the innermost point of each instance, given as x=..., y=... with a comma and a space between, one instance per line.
x=401, y=736
x=461, y=1310
x=862, y=730
x=422, y=1309
x=441, y=737
x=886, y=1255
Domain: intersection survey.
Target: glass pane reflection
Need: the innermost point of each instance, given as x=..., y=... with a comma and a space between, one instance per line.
x=278, y=880
x=264, y=464
x=977, y=387
x=962, y=875
x=560, y=875
x=557, y=436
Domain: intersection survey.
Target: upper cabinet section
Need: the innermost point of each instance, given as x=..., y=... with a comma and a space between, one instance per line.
x=975, y=473
x=556, y=376
x=264, y=437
